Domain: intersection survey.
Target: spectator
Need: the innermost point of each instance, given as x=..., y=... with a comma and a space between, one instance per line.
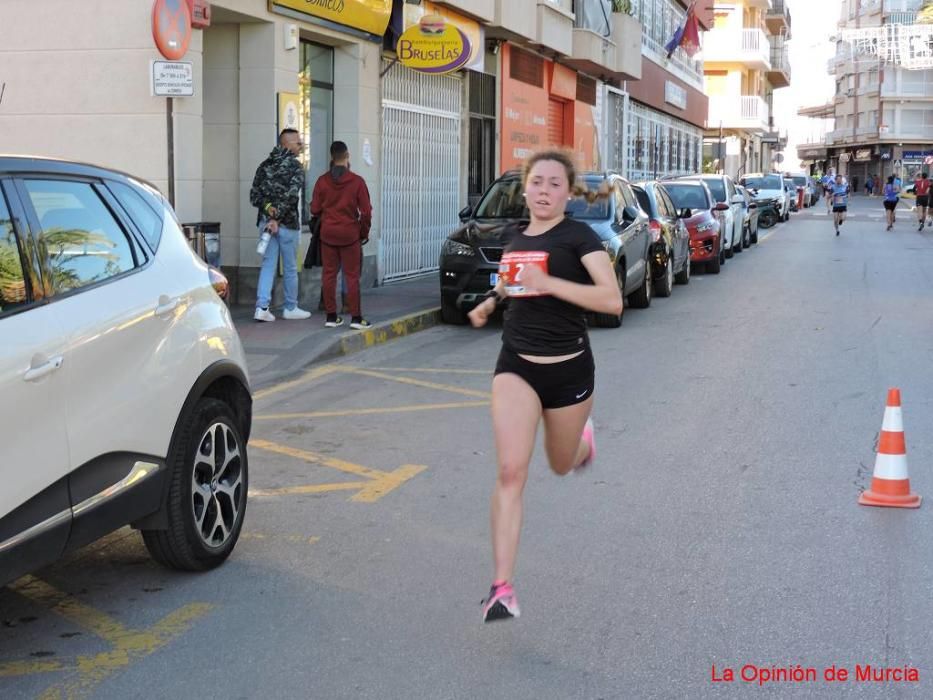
x=341, y=199
x=276, y=191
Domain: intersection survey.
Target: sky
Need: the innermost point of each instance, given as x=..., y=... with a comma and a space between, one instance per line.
x=812, y=23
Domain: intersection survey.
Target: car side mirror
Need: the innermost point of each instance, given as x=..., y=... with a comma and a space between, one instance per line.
x=722, y=206
x=752, y=205
x=685, y=213
x=630, y=213
x=465, y=213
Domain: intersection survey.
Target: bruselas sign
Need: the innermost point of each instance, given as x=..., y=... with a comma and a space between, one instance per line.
x=434, y=46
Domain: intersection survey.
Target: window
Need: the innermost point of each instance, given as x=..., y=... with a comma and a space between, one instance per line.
x=84, y=243
x=12, y=279
x=146, y=219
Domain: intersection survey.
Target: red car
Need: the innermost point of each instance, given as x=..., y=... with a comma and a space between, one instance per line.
x=698, y=208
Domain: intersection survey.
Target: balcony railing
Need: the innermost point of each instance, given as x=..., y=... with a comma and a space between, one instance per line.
x=693, y=70
x=892, y=6
x=778, y=14
x=867, y=130
x=749, y=112
x=749, y=46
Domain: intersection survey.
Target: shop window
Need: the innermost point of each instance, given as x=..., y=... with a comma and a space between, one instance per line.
x=316, y=85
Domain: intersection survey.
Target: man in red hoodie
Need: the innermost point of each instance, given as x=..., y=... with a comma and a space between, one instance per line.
x=341, y=199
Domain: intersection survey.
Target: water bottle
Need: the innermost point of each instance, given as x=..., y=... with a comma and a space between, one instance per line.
x=263, y=242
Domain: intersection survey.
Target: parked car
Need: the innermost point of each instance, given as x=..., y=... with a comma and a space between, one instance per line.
x=124, y=383
x=769, y=187
x=695, y=205
x=804, y=183
x=670, y=240
x=723, y=189
x=469, y=260
x=750, y=209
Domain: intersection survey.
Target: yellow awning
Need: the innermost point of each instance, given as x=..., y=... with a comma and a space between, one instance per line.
x=371, y=16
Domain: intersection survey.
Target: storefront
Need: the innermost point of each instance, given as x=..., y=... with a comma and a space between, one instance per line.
x=425, y=142
x=546, y=104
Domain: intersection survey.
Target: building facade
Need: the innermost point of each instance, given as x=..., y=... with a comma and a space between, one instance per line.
x=665, y=112
x=882, y=111
x=746, y=60
x=540, y=73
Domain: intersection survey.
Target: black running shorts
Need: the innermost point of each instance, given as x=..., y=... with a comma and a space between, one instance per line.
x=890, y=206
x=557, y=384
x=923, y=200
x=839, y=210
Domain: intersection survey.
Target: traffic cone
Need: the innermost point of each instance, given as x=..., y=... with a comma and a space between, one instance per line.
x=890, y=485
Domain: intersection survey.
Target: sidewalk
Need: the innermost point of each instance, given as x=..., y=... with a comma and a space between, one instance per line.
x=275, y=351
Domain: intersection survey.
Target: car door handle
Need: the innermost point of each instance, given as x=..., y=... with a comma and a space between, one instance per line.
x=166, y=305
x=36, y=372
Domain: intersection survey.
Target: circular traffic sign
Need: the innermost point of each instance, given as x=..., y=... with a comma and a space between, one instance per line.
x=171, y=27
x=928, y=160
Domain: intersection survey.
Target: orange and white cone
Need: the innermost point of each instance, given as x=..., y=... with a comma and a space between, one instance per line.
x=890, y=485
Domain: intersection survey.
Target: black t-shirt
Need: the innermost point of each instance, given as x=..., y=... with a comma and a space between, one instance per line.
x=546, y=325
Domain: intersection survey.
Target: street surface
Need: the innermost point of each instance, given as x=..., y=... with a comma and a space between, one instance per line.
x=736, y=425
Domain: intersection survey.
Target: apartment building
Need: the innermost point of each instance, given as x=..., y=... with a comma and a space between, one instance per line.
x=745, y=61
x=664, y=113
x=882, y=111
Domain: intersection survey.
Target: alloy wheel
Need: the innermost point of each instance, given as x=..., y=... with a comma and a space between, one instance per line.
x=217, y=493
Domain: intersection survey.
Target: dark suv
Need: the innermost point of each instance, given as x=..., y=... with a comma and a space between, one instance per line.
x=469, y=262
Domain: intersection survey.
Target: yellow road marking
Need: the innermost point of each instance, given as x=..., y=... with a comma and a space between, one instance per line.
x=433, y=370
x=371, y=411
x=417, y=382
x=378, y=485
x=308, y=376
x=29, y=668
x=309, y=488
x=127, y=645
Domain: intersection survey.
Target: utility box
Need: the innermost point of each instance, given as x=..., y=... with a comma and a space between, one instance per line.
x=200, y=13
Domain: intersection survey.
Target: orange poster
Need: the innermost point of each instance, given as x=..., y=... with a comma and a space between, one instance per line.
x=524, y=118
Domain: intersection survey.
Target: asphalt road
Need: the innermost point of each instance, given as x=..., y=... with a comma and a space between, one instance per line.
x=736, y=425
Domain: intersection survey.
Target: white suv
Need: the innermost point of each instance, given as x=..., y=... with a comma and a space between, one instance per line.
x=124, y=383
x=732, y=218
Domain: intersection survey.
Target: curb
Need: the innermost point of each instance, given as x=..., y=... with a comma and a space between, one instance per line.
x=381, y=333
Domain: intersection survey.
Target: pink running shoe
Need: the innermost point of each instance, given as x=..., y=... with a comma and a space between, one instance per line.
x=501, y=603
x=590, y=439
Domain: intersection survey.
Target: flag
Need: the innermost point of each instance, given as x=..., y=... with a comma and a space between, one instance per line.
x=687, y=36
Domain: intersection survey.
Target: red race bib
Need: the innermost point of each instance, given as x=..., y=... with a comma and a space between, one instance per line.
x=511, y=266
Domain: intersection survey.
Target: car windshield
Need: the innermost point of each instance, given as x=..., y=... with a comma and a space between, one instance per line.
x=717, y=188
x=687, y=196
x=580, y=208
x=503, y=200
x=768, y=182
x=800, y=180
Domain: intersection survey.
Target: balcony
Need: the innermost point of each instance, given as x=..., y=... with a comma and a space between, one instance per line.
x=895, y=6
x=482, y=10
x=627, y=33
x=869, y=90
x=554, y=26
x=777, y=19
x=869, y=7
x=749, y=113
x=871, y=131
x=511, y=20
x=749, y=47
x=779, y=74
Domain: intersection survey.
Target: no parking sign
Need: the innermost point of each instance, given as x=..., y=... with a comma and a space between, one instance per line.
x=171, y=27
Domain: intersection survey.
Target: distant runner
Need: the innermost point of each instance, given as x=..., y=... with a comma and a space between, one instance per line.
x=840, y=200
x=922, y=190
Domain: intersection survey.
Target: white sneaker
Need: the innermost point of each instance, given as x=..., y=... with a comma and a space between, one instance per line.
x=263, y=315
x=296, y=314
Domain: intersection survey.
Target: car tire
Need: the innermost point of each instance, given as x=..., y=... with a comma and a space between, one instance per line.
x=192, y=542
x=753, y=237
x=451, y=314
x=738, y=248
x=641, y=297
x=714, y=266
x=729, y=253
x=664, y=286
x=683, y=277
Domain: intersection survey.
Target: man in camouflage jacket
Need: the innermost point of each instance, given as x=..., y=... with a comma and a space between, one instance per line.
x=276, y=194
